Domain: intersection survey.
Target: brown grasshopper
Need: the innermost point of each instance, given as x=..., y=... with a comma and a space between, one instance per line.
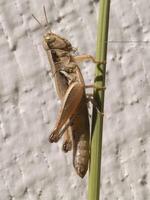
x=72, y=120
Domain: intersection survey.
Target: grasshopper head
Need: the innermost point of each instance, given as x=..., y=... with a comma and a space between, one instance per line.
x=53, y=41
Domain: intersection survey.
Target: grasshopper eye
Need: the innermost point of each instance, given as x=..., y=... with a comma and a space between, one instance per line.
x=50, y=39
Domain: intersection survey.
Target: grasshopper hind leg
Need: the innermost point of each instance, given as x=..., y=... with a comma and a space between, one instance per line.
x=72, y=97
x=67, y=143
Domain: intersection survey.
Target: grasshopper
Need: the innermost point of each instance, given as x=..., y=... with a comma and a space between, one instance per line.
x=72, y=120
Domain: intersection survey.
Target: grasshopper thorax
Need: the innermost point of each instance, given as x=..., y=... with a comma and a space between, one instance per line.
x=53, y=41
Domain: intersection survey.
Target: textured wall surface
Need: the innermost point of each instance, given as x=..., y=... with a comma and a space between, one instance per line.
x=30, y=167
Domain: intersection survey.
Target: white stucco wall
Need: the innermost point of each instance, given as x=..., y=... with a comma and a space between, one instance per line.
x=30, y=167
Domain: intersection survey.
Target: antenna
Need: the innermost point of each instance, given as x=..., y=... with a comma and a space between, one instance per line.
x=46, y=19
x=45, y=15
x=47, y=24
x=37, y=21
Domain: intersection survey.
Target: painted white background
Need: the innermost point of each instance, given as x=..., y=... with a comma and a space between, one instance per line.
x=30, y=167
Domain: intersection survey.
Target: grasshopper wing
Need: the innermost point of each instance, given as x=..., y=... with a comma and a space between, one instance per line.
x=81, y=136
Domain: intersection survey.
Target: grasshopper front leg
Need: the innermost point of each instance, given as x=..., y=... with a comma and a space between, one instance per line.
x=82, y=58
x=70, y=103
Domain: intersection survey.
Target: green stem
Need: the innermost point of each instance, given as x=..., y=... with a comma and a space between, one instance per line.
x=97, y=119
